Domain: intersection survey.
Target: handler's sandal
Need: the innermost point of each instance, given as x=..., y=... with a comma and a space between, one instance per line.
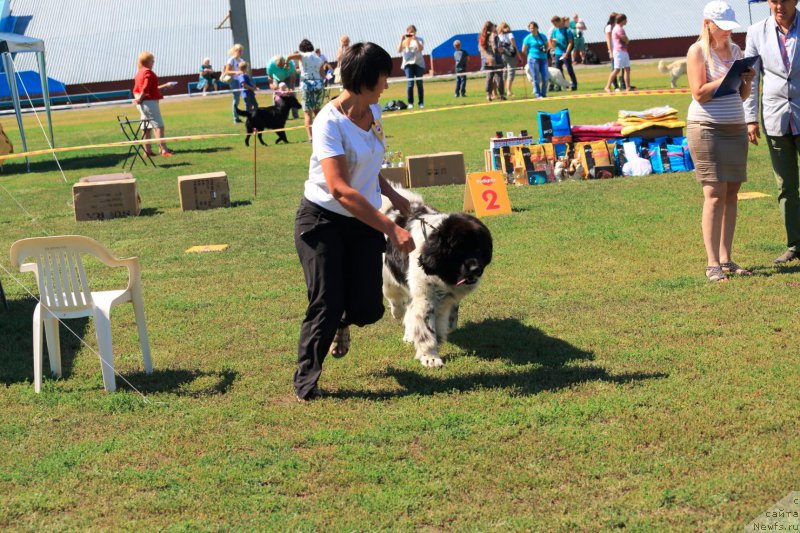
x=790, y=255
x=341, y=342
x=732, y=268
x=715, y=274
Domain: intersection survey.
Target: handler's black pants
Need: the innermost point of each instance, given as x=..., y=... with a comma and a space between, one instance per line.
x=341, y=259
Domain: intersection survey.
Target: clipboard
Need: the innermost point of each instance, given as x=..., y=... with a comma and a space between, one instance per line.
x=733, y=79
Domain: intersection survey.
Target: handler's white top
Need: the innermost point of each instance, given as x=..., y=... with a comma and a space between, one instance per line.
x=335, y=134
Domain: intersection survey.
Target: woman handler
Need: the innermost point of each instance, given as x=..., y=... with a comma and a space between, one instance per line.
x=339, y=231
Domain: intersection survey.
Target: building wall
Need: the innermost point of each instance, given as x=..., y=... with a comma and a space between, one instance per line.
x=94, y=43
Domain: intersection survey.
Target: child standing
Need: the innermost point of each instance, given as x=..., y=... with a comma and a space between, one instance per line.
x=460, y=57
x=622, y=60
x=248, y=87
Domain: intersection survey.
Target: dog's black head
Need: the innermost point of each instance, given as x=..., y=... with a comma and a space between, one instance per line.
x=458, y=250
x=287, y=100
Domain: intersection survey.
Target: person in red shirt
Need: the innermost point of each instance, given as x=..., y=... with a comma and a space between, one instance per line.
x=146, y=94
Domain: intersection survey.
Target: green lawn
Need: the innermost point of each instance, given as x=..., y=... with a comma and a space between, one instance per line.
x=597, y=380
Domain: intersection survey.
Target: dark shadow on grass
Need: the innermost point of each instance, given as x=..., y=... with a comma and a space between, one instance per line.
x=516, y=343
x=203, y=150
x=181, y=382
x=519, y=209
x=149, y=212
x=171, y=165
x=513, y=341
x=774, y=270
x=16, y=350
x=241, y=203
x=67, y=163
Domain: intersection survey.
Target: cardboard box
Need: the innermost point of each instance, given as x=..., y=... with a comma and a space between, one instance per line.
x=657, y=131
x=204, y=191
x=104, y=200
x=398, y=175
x=445, y=168
x=107, y=177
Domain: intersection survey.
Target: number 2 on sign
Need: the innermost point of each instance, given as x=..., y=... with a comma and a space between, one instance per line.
x=490, y=197
x=486, y=194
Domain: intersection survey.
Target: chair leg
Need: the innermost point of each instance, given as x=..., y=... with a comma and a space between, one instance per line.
x=3, y=296
x=102, y=326
x=53, y=342
x=38, y=356
x=141, y=324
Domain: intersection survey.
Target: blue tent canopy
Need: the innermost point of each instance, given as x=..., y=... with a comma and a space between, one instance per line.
x=31, y=82
x=469, y=43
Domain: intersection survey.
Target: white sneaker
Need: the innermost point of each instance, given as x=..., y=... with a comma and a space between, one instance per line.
x=411, y=106
x=421, y=106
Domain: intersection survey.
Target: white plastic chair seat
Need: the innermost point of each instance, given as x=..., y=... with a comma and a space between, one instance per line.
x=64, y=294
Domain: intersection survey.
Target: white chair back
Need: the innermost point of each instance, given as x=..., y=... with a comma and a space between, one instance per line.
x=62, y=279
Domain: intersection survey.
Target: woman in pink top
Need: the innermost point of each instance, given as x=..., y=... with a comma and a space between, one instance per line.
x=622, y=61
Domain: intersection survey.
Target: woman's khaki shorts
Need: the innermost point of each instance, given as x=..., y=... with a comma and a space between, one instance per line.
x=149, y=110
x=719, y=151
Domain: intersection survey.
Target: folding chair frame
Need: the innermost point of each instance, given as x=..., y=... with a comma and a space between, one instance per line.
x=134, y=134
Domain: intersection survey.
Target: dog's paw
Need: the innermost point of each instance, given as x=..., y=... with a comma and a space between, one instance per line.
x=408, y=337
x=430, y=361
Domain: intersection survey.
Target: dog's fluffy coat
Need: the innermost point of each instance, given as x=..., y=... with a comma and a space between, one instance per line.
x=555, y=78
x=676, y=69
x=269, y=118
x=424, y=288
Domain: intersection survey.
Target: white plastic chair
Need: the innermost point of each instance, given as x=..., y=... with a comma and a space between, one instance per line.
x=64, y=293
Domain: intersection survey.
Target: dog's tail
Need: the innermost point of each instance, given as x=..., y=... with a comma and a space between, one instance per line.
x=414, y=198
x=662, y=67
x=241, y=113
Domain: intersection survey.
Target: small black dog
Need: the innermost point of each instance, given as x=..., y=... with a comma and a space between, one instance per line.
x=269, y=118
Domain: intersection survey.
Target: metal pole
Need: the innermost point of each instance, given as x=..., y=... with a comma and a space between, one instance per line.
x=46, y=94
x=255, y=179
x=239, y=31
x=8, y=63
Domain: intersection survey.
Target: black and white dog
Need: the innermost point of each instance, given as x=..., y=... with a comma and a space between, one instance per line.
x=269, y=118
x=424, y=288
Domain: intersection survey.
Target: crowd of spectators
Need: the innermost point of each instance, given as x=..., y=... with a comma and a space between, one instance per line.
x=308, y=71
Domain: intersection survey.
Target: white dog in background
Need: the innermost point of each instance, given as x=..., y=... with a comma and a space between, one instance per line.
x=676, y=69
x=555, y=78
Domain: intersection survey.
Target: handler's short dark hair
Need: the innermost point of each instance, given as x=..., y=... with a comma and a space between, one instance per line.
x=362, y=65
x=306, y=46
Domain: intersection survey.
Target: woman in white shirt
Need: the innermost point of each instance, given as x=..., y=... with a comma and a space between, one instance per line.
x=411, y=46
x=230, y=74
x=311, y=85
x=510, y=55
x=339, y=230
x=612, y=21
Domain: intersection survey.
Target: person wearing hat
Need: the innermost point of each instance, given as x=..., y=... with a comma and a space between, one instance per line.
x=774, y=41
x=717, y=135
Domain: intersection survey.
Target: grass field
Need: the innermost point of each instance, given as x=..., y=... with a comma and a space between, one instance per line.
x=597, y=380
